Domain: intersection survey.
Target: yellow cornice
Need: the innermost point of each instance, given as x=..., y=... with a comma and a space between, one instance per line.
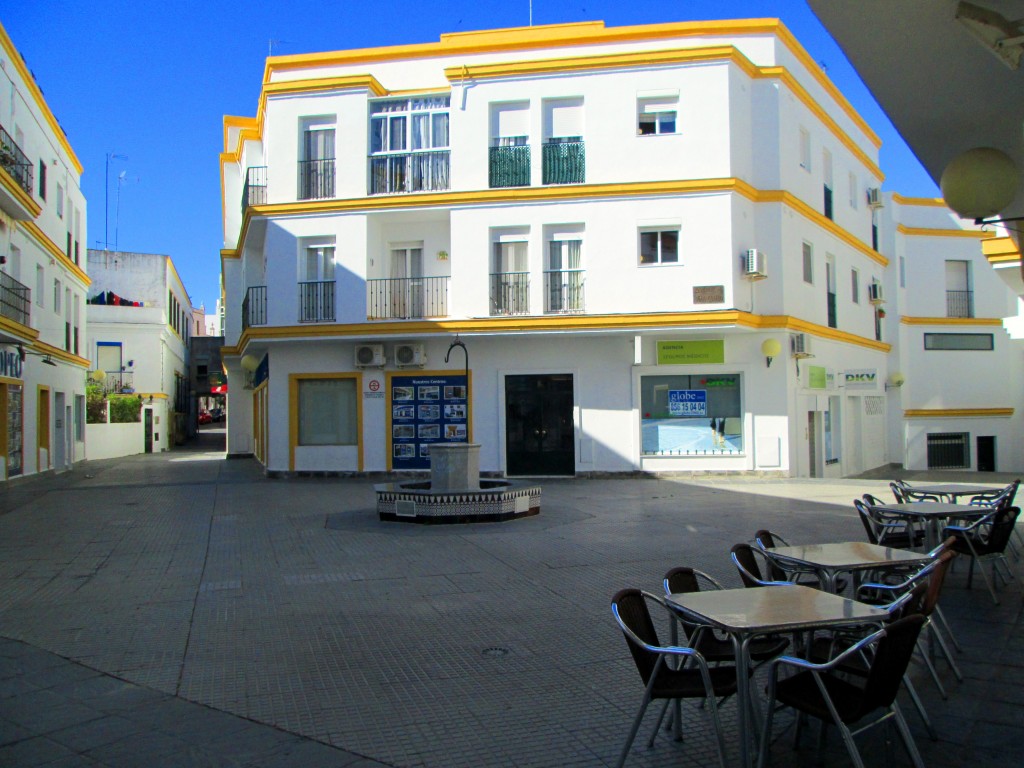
x=313, y=85
x=51, y=247
x=14, y=328
x=551, y=323
x=14, y=189
x=926, y=232
x=945, y=413
x=905, y=320
x=1001, y=250
x=30, y=83
x=48, y=349
x=935, y=202
x=181, y=284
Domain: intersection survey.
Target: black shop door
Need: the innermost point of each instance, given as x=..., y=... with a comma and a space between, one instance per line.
x=539, y=434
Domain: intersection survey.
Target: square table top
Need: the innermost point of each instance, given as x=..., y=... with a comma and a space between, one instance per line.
x=847, y=555
x=953, y=489
x=933, y=509
x=772, y=609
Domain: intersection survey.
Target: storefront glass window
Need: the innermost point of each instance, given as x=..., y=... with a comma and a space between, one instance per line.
x=695, y=415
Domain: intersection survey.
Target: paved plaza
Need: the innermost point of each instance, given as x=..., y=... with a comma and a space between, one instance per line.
x=180, y=609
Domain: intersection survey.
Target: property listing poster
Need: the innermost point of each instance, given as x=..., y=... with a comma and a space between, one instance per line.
x=426, y=410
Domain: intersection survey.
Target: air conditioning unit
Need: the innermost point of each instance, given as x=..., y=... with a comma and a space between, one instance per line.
x=755, y=264
x=410, y=355
x=875, y=293
x=801, y=345
x=369, y=356
x=874, y=197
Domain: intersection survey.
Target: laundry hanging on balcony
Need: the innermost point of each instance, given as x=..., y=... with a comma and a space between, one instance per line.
x=109, y=298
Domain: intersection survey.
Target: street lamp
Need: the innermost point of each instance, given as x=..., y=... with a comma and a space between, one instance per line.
x=106, y=197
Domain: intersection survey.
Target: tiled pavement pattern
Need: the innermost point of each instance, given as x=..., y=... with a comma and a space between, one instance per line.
x=179, y=609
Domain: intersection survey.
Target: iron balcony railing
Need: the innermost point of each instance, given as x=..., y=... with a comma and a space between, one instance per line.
x=316, y=179
x=316, y=301
x=15, y=299
x=510, y=293
x=401, y=298
x=119, y=382
x=563, y=291
x=254, y=306
x=413, y=172
x=254, y=191
x=564, y=162
x=509, y=166
x=15, y=162
x=959, y=303
x=832, y=318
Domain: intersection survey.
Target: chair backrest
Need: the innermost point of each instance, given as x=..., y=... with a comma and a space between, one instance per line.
x=768, y=540
x=934, y=582
x=630, y=606
x=1000, y=531
x=685, y=579
x=890, y=662
x=746, y=561
x=872, y=501
x=868, y=519
x=899, y=491
x=910, y=603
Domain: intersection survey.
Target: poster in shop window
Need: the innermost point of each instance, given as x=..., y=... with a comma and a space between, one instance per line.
x=426, y=409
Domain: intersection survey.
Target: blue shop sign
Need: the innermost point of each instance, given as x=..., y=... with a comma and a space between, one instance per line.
x=688, y=402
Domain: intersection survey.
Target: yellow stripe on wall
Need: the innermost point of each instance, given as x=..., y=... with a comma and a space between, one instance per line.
x=944, y=413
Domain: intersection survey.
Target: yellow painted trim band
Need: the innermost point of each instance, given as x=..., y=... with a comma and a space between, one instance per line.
x=318, y=84
x=924, y=232
x=37, y=94
x=68, y=357
x=51, y=248
x=14, y=328
x=935, y=202
x=550, y=323
x=947, y=413
x=987, y=321
x=293, y=411
x=1001, y=250
x=798, y=205
x=14, y=189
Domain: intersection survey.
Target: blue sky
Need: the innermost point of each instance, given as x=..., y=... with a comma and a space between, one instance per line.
x=152, y=81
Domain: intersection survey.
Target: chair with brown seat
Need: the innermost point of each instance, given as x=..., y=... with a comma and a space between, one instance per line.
x=986, y=539
x=886, y=530
x=767, y=540
x=692, y=678
x=820, y=691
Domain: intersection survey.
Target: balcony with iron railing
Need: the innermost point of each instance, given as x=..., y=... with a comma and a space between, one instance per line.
x=254, y=306
x=510, y=293
x=15, y=162
x=119, y=382
x=254, y=191
x=316, y=179
x=564, y=161
x=563, y=291
x=15, y=300
x=411, y=172
x=405, y=298
x=959, y=303
x=509, y=166
x=316, y=301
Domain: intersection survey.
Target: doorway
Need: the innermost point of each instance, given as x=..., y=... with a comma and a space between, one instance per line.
x=147, y=417
x=540, y=437
x=986, y=453
x=407, y=282
x=814, y=460
x=59, y=442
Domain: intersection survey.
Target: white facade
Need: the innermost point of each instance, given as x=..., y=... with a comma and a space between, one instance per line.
x=43, y=282
x=138, y=340
x=576, y=204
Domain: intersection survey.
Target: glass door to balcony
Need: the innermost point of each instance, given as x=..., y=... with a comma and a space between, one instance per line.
x=406, y=283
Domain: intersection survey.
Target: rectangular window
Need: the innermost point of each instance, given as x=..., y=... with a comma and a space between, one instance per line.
x=805, y=149
x=40, y=283
x=510, y=278
x=327, y=412
x=316, y=166
x=855, y=286
x=563, y=278
x=691, y=414
x=79, y=418
x=853, y=190
x=659, y=246
x=808, y=255
x=60, y=202
x=409, y=141
x=903, y=271
x=833, y=432
x=42, y=179
x=563, y=156
x=949, y=450
x=656, y=115
x=509, y=153
x=56, y=296
x=316, y=280
x=974, y=342
x=959, y=296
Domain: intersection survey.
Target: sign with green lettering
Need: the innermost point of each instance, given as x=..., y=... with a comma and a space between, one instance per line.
x=691, y=352
x=816, y=377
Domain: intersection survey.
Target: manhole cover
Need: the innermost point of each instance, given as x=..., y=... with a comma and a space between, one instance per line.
x=496, y=650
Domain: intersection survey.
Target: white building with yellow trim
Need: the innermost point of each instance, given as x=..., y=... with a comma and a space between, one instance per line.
x=658, y=245
x=42, y=281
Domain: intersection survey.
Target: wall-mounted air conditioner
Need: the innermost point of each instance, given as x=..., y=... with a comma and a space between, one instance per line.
x=369, y=356
x=754, y=264
x=410, y=355
x=875, y=293
x=800, y=344
x=874, y=197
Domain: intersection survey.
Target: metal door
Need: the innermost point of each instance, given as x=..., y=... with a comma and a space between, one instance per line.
x=147, y=415
x=540, y=437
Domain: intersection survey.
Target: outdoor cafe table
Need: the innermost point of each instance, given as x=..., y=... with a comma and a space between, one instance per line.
x=746, y=613
x=952, y=491
x=931, y=513
x=829, y=560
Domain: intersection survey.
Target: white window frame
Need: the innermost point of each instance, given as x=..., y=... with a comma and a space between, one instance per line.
x=658, y=109
x=855, y=285
x=854, y=186
x=60, y=200
x=316, y=429
x=807, y=256
x=56, y=295
x=805, y=149
x=40, y=285
x=659, y=260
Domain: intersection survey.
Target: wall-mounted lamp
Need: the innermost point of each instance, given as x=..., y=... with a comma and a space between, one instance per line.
x=979, y=183
x=47, y=360
x=896, y=380
x=250, y=362
x=770, y=348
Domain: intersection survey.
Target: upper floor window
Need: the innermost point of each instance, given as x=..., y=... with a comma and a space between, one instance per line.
x=855, y=286
x=853, y=190
x=656, y=115
x=805, y=149
x=60, y=201
x=56, y=296
x=659, y=246
x=509, y=155
x=826, y=170
x=316, y=280
x=563, y=273
x=510, y=276
x=983, y=342
x=564, y=158
x=409, y=141
x=808, y=260
x=40, y=282
x=959, y=295
x=42, y=179
x=316, y=166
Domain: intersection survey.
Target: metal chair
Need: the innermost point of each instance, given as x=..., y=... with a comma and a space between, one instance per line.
x=820, y=691
x=690, y=680
x=986, y=538
x=767, y=540
x=886, y=530
x=745, y=560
